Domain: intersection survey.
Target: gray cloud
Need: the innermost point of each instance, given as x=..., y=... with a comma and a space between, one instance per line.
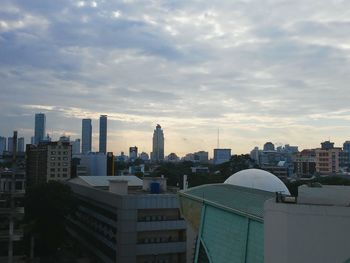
x=256, y=69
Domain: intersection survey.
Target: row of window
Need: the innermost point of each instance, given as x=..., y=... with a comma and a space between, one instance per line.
x=59, y=175
x=59, y=158
x=58, y=164
x=59, y=152
x=153, y=240
x=58, y=169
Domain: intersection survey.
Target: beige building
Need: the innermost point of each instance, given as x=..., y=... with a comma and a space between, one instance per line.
x=327, y=158
x=48, y=161
x=59, y=156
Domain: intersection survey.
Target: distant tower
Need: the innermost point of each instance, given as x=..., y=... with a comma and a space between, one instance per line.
x=86, y=136
x=158, y=144
x=3, y=148
x=40, y=127
x=20, y=144
x=103, y=134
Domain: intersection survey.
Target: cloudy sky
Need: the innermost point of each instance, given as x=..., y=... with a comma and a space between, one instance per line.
x=258, y=70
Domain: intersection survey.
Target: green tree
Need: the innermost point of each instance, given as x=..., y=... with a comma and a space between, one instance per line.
x=46, y=209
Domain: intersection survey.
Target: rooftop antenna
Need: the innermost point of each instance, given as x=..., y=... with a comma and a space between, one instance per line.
x=218, y=142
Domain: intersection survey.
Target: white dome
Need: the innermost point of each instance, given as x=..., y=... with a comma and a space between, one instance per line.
x=258, y=179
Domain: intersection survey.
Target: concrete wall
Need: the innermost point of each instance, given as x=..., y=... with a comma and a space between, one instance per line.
x=306, y=233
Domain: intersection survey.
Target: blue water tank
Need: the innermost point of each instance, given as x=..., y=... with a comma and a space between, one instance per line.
x=155, y=188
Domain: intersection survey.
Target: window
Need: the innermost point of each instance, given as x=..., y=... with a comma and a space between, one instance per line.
x=52, y=175
x=53, y=158
x=53, y=152
x=64, y=175
x=52, y=164
x=58, y=169
x=52, y=169
x=65, y=152
x=65, y=158
x=64, y=169
x=65, y=164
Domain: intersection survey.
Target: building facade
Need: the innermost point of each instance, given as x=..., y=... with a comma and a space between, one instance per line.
x=305, y=163
x=222, y=155
x=86, y=136
x=133, y=153
x=76, y=147
x=40, y=127
x=20, y=144
x=313, y=228
x=103, y=134
x=48, y=161
x=126, y=219
x=158, y=145
x=95, y=163
x=327, y=159
x=3, y=142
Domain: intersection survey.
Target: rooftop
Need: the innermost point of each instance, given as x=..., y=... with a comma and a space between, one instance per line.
x=103, y=181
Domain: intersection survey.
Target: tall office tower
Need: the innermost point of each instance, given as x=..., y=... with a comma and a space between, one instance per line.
x=3, y=141
x=158, y=144
x=86, y=136
x=10, y=144
x=103, y=134
x=40, y=124
x=76, y=146
x=20, y=145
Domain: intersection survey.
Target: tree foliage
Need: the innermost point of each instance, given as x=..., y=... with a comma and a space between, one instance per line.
x=46, y=208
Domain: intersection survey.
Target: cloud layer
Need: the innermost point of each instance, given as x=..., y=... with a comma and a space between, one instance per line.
x=257, y=70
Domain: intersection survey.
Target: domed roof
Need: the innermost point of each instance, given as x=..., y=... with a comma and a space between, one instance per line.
x=258, y=179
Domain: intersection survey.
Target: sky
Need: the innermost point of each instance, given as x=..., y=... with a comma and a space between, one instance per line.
x=257, y=70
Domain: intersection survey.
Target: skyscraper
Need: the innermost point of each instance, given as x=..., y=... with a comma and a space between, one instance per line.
x=40, y=126
x=10, y=144
x=3, y=141
x=86, y=136
x=103, y=134
x=20, y=144
x=76, y=146
x=158, y=144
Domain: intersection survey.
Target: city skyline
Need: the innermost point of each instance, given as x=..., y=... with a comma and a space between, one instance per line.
x=191, y=67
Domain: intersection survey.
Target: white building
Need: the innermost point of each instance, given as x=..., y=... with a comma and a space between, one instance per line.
x=95, y=163
x=76, y=147
x=314, y=229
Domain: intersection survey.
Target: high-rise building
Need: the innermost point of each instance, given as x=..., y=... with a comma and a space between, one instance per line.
x=86, y=136
x=48, y=161
x=3, y=141
x=132, y=153
x=10, y=144
x=95, y=163
x=76, y=147
x=20, y=144
x=222, y=155
x=103, y=134
x=40, y=127
x=157, y=154
x=305, y=163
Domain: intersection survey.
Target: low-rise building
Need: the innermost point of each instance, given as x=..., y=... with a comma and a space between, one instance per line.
x=305, y=163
